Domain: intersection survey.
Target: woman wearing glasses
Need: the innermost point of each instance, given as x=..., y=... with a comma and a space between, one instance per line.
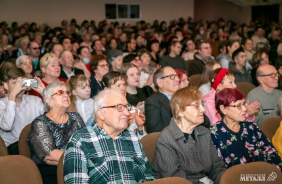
x=224, y=78
x=239, y=141
x=99, y=67
x=184, y=148
x=50, y=132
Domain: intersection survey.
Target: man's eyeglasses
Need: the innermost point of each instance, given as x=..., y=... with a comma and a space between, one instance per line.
x=35, y=48
x=197, y=105
x=239, y=106
x=119, y=107
x=62, y=92
x=272, y=75
x=172, y=76
x=103, y=66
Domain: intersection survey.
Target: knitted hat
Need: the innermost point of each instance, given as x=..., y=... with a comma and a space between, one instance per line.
x=113, y=54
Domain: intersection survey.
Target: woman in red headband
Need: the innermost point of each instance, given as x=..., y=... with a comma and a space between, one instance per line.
x=224, y=78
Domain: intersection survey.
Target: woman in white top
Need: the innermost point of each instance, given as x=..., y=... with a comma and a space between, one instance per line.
x=79, y=86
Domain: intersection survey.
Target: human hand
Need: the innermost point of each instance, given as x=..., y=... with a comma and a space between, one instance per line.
x=139, y=119
x=252, y=108
x=40, y=86
x=17, y=89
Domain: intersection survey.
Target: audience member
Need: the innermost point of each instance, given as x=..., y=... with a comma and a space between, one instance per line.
x=201, y=57
x=277, y=138
x=16, y=109
x=239, y=141
x=260, y=57
x=34, y=52
x=116, y=80
x=196, y=159
x=266, y=94
x=69, y=67
x=115, y=59
x=25, y=63
x=103, y=140
x=239, y=66
x=79, y=86
x=99, y=67
x=173, y=59
x=189, y=50
x=205, y=84
x=183, y=78
x=50, y=132
x=231, y=46
x=157, y=107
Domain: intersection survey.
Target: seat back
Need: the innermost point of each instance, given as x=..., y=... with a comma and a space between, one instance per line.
x=245, y=87
x=3, y=148
x=23, y=145
x=241, y=174
x=195, y=80
x=60, y=171
x=169, y=180
x=149, y=143
x=270, y=125
x=18, y=169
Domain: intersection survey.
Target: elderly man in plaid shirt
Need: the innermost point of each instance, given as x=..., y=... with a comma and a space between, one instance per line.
x=107, y=152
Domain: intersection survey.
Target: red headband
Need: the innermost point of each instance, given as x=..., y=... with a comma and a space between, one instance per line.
x=219, y=77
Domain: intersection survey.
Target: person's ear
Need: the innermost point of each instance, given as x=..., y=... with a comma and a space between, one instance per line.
x=223, y=109
x=260, y=79
x=74, y=92
x=43, y=70
x=159, y=82
x=6, y=86
x=100, y=114
x=49, y=102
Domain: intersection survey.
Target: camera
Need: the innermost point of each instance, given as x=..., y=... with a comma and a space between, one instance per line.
x=29, y=83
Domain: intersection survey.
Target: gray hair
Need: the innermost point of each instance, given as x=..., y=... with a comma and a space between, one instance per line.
x=21, y=59
x=158, y=74
x=100, y=98
x=48, y=91
x=279, y=105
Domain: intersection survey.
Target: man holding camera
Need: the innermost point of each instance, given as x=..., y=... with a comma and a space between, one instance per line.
x=17, y=109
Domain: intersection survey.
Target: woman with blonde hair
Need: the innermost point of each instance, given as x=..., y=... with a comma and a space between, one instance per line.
x=79, y=86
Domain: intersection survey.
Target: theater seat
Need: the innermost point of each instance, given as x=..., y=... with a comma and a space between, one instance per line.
x=23, y=145
x=241, y=174
x=60, y=171
x=270, y=125
x=245, y=87
x=169, y=180
x=195, y=80
x=149, y=143
x=16, y=169
x=3, y=148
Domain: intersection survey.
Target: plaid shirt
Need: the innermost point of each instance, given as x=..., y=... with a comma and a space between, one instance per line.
x=92, y=156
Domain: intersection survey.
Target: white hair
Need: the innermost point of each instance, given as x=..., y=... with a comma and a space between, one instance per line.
x=48, y=91
x=100, y=99
x=21, y=59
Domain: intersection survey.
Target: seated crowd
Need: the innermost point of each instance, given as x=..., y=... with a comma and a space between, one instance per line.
x=91, y=93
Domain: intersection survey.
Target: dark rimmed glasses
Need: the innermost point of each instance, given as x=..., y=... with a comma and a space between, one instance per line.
x=172, y=76
x=197, y=105
x=62, y=92
x=272, y=75
x=119, y=107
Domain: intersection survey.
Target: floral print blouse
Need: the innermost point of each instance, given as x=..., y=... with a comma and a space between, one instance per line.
x=247, y=145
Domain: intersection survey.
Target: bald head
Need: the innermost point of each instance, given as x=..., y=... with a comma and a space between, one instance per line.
x=267, y=77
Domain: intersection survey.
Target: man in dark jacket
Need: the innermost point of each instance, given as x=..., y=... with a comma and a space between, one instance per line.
x=202, y=56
